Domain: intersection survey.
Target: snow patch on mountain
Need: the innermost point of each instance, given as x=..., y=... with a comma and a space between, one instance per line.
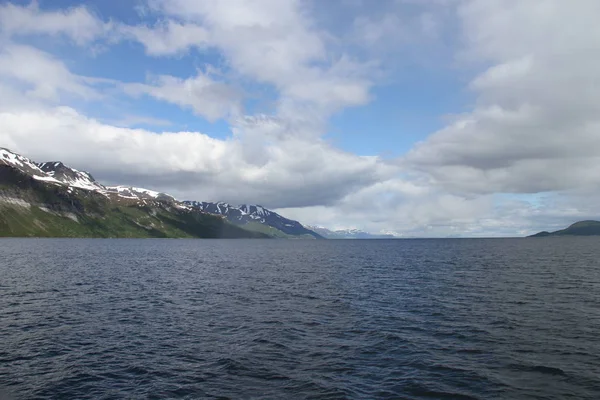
x=134, y=192
x=247, y=213
x=24, y=165
x=47, y=179
x=71, y=176
x=140, y=194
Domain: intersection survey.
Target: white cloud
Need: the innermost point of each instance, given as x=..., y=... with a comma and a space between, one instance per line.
x=536, y=124
x=167, y=37
x=500, y=30
x=403, y=206
x=207, y=97
x=129, y=121
x=293, y=172
x=498, y=76
x=269, y=41
x=374, y=32
x=415, y=29
x=41, y=76
x=76, y=23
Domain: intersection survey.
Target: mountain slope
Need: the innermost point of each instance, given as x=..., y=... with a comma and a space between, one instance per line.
x=64, y=202
x=252, y=216
x=581, y=228
x=129, y=192
x=25, y=166
x=52, y=199
x=70, y=176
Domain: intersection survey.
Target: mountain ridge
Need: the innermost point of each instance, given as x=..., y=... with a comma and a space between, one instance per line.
x=42, y=194
x=246, y=214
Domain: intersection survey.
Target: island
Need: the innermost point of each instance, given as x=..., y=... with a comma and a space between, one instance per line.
x=581, y=228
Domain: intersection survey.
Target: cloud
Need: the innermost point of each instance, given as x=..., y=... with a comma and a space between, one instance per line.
x=292, y=172
x=205, y=96
x=271, y=42
x=167, y=37
x=535, y=126
x=403, y=31
x=41, y=76
x=129, y=121
x=402, y=206
x=380, y=31
x=76, y=23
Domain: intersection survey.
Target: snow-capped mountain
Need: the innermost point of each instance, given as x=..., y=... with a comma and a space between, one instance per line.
x=349, y=233
x=53, y=200
x=25, y=165
x=247, y=213
x=70, y=176
x=75, y=181
x=134, y=193
x=58, y=173
x=219, y=208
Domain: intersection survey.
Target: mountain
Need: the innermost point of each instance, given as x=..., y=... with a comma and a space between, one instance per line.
x=70, y=176
x=50, y=199
x=25, y=166
x=581, y=228
x=84, y=180
x=255, y=217
x=349, y=234
x=134, y=193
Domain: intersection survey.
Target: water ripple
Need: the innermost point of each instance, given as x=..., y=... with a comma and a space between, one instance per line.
x=243, y=319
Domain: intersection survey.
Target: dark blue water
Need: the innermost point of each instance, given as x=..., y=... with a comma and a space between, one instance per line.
x=268, y=319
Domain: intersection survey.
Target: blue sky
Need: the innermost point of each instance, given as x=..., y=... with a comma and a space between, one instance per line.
x=407, y=105
x=417, y=117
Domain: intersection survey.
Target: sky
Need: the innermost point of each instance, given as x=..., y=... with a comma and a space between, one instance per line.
x=428, y=118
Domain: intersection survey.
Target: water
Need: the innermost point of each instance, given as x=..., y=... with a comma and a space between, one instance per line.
x=269, y=319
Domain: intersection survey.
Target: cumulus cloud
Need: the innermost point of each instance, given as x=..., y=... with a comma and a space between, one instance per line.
x=205, y=96
x=403, y=207
x=293, y=173
x=535, y=126
x=378, y=31
x=272, y=42
x=77, y=23
x=40, y=75
x=167, y=37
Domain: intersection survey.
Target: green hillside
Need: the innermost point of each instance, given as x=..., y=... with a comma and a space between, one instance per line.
x=30, y=208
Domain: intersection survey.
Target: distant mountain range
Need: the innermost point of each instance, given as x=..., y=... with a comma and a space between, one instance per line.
x=254, y=215
x=349, y=234
x=581, y=228
x=50, y=199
